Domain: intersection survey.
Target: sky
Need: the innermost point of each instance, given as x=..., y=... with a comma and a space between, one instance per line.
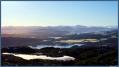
x=55, y=13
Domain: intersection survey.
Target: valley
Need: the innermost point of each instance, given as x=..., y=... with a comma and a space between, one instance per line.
x=73, y=49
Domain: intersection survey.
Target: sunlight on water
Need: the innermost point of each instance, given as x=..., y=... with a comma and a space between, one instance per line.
x=29, y=57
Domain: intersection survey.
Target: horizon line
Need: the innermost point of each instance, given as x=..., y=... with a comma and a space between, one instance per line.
x=60, y=25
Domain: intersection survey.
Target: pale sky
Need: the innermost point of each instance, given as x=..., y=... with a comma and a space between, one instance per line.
x=54, y=13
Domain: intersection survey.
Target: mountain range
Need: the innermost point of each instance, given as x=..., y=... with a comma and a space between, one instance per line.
x=49, y=31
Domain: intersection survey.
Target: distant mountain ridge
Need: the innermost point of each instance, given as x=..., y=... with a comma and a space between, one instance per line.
x=38, y=31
